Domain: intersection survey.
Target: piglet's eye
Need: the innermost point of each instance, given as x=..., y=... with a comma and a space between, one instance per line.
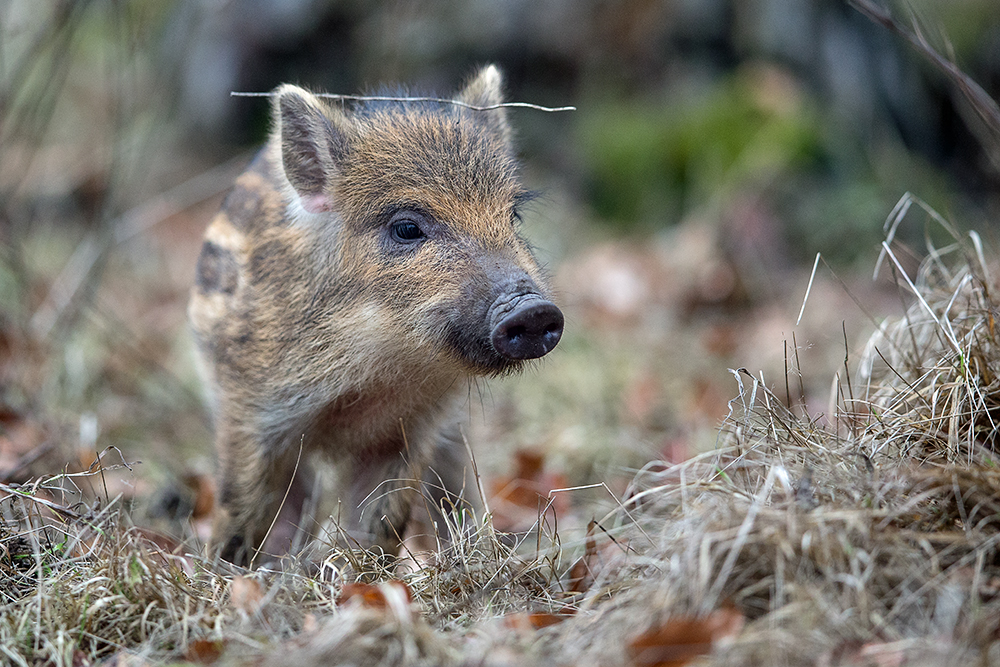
x=406, y=231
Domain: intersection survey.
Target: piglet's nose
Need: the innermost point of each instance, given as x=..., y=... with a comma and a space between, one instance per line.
x=528, y=330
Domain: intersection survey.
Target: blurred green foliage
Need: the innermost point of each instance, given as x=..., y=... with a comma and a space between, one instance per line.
x=758, y=134
x=651, y=162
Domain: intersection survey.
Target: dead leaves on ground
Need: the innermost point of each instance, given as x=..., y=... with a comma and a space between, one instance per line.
x=674, y=643
x=245, y=595
x=204, y=651
x=681, y=640
x=525, y=621
x=392, y=596
x=518, y=501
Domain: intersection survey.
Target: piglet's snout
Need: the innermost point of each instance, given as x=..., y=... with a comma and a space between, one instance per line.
x=525, y=326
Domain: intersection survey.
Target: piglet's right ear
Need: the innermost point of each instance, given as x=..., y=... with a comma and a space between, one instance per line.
x=310, y=145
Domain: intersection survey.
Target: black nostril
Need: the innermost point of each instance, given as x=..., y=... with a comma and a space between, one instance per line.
x=530, y=330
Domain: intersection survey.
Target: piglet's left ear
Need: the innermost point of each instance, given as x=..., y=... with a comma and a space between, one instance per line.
x=485, y=90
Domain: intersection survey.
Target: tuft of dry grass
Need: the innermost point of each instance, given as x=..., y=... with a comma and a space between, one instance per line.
x=932, y=379
x=871, y=534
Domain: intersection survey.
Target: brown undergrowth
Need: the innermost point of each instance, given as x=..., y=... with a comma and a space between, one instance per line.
x=865, y=536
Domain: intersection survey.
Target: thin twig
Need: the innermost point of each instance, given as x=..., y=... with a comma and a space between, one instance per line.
x=438, y=100
x=984, y=105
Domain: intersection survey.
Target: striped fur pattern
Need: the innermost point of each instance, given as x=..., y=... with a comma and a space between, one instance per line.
x=343, y=301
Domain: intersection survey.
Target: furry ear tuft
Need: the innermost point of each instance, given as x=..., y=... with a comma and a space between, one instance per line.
x=484, y=90
x=310, y=145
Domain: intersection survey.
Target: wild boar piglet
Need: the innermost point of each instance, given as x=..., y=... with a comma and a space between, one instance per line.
x=365, y=266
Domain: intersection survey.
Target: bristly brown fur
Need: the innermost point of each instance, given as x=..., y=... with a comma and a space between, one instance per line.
x=321, y=331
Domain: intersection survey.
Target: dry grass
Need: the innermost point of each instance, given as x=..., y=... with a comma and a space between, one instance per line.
x=874, y=533
x=865, y=537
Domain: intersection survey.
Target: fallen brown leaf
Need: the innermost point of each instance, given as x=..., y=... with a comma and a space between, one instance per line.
x=516, y=500
x=245, y=594
x=526, y=621
x=367, y=595
x=682, y=639
x=204, y=651
x=393, y=596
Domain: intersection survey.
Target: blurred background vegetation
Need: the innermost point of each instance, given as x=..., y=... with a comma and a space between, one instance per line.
x=718, y=146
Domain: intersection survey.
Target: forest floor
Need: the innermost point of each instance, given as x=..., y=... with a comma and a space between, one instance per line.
x=723, y=460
